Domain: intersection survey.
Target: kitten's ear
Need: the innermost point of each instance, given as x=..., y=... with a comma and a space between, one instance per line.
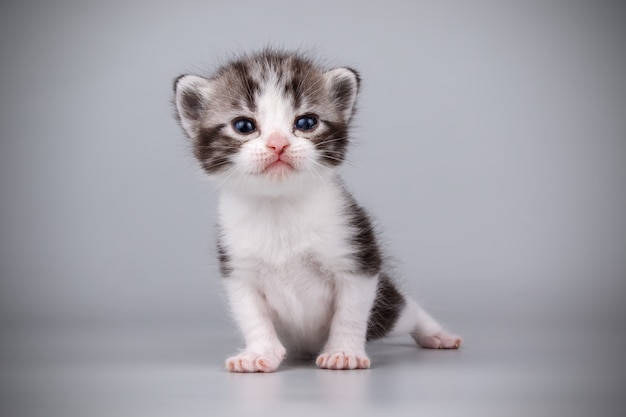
x=344, y=86
x=191, y=97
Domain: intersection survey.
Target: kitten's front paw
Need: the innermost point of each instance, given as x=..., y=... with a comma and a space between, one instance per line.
x=343, y=360
x=254, y=361
x=439, y=340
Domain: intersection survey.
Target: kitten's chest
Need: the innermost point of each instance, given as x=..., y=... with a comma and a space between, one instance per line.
x=283, y=234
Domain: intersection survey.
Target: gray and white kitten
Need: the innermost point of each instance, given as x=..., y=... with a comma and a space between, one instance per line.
x=299, y=257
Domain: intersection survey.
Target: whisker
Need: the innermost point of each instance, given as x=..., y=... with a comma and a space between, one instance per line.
x=333, y=139
x=219, y=147
x=314, y=169
x=241, y=177
x=333, y=158
x=330, y=150
x=230, y=172
x=218, y=164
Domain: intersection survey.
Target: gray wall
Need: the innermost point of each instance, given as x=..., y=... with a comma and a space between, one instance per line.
x=490, y=145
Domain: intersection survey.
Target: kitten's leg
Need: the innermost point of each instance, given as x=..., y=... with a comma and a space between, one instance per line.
x=424, y=329
x=345, y=348
x=263, y=352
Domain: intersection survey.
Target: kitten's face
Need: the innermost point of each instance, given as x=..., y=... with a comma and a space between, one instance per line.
x=268, y=121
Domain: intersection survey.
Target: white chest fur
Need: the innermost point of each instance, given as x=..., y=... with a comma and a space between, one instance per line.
x=289, y=249
x=279, y=230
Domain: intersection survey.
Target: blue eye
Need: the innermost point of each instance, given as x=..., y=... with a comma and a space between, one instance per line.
x=305, y=123
x=244, y=126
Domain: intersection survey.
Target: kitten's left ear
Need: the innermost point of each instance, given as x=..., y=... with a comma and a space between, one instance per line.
x=344, y=86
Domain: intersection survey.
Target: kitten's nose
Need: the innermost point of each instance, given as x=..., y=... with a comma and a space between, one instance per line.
x=277, y=142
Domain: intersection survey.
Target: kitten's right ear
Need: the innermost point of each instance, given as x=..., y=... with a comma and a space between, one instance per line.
x=191, y=97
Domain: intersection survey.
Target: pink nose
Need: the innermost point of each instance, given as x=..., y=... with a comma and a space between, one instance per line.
x=277, y=142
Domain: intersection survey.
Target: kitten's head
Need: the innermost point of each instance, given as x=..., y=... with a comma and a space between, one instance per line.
x=268, y=121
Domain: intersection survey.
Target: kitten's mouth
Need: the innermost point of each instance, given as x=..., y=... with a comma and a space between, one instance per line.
x=278, y=167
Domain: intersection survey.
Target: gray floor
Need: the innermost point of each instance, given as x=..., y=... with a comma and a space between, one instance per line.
x=539, y=370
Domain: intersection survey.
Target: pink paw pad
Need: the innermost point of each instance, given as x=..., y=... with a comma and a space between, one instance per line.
x=254, y=362
x=343, y=360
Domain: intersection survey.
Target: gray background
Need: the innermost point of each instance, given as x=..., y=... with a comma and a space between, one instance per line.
x=490, y=145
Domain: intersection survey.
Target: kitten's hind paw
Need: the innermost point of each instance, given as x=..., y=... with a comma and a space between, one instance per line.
x=439, y=340
x=343, y=360
x=251, y=361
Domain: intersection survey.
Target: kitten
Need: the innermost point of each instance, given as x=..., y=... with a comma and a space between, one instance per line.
x=300, y=260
